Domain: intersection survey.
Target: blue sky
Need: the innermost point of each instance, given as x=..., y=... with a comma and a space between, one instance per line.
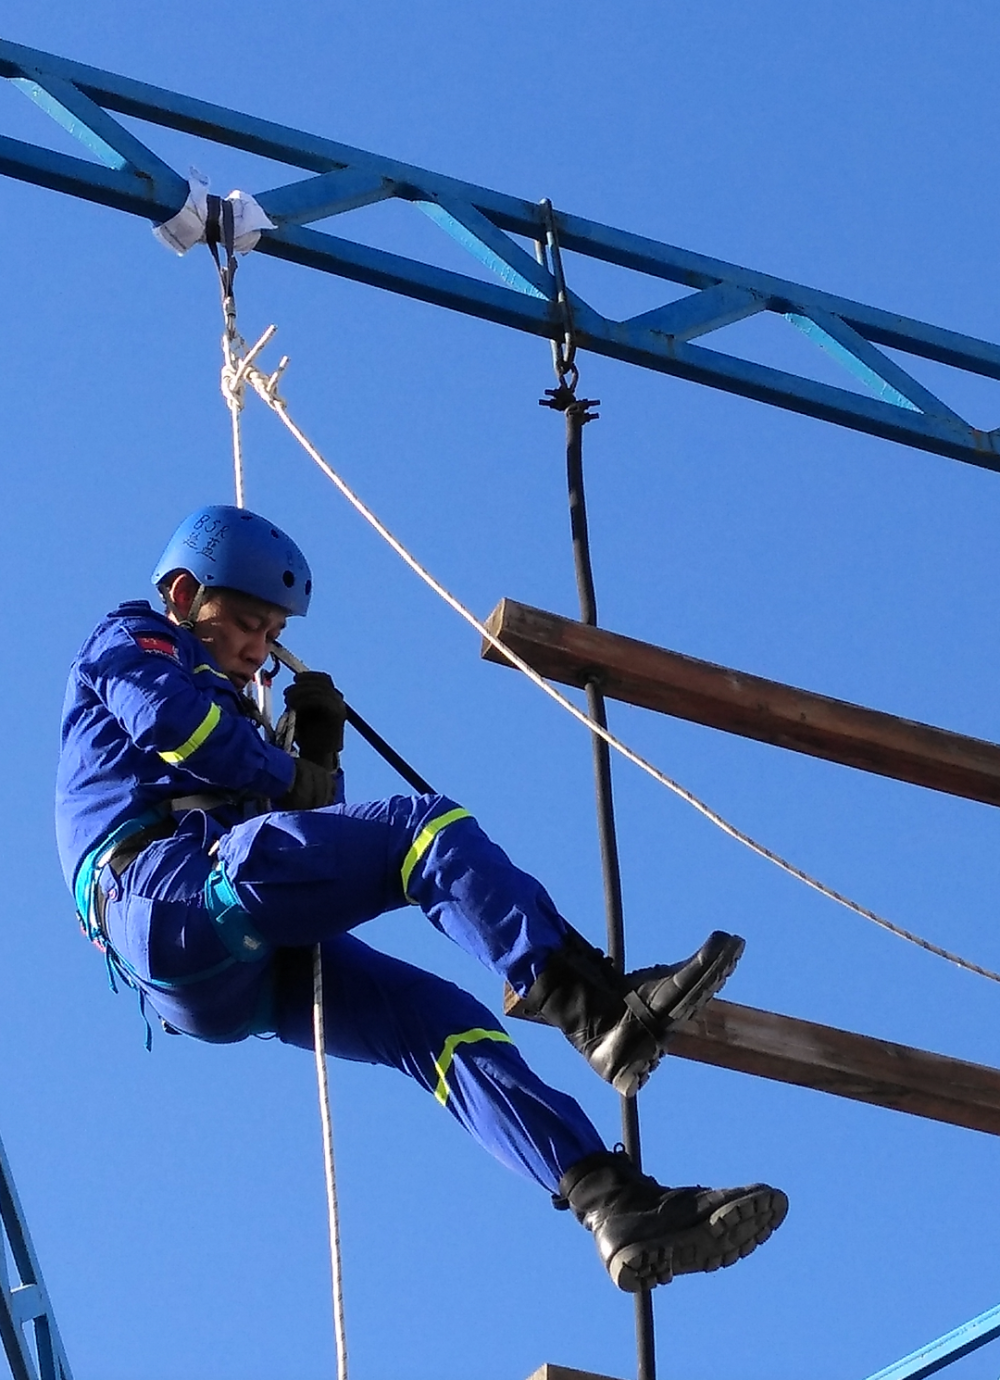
x=176, y=1199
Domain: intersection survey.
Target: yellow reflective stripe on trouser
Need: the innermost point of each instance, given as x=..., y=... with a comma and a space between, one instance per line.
x=467, y=1037
x=424, y=839
x=197, y=738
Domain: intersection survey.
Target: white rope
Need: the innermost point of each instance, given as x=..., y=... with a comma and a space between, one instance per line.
x=265, y=385
x=233, y=395
x=333, y=1212
x=237, y=360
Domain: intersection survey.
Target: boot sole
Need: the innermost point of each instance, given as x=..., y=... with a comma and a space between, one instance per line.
x=634, y=1074
x=718, y=972
x=730, y=1234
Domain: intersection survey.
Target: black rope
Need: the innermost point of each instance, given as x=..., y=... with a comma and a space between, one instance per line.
x=388, y=753
x=578, y=413
x=283, y=657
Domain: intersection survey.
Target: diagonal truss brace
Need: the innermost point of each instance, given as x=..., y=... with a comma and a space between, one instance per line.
x=130, y=177
x=24, y=1300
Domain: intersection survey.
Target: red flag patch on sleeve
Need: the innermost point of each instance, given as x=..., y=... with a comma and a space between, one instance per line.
x=151, y=642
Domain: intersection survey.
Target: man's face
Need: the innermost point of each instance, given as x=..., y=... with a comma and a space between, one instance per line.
x=238, y=630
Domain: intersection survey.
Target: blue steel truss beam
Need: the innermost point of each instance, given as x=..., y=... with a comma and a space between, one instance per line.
x=24, y=1301
x=130, y=177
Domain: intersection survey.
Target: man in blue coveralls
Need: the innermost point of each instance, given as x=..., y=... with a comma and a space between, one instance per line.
x=206, y=863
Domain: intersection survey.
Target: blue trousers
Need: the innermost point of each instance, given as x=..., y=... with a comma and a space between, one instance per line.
x=289, y=880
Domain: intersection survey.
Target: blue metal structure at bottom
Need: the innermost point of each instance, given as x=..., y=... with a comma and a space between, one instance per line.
x=23, y=1298
x=929, y=1359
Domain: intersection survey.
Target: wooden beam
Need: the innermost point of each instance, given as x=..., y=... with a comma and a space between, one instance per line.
x=654, y=678
x=551, y=1372
x=829, y=1060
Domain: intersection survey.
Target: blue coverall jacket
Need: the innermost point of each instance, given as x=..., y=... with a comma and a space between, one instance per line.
x=149, y=717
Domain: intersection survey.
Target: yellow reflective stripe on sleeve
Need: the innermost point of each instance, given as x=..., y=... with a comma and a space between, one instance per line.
x=424, y=839
x=467, y=1037
x=205, y=667
x=197, y=738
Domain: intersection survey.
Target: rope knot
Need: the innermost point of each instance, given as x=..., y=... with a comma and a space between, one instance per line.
x=233, y=385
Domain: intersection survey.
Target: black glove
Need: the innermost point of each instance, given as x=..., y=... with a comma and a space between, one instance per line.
x=311, y=788
x=319, y=717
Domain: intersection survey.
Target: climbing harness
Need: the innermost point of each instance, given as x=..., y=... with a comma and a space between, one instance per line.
x=103, y=867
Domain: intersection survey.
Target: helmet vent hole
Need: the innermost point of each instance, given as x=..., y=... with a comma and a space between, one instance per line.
x=309, y=588
x=275, y=533
x=288, y=579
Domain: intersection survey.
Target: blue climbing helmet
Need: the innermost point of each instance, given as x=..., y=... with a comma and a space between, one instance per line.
x=231, y=548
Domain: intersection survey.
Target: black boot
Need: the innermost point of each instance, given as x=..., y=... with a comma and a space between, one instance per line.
x=646, y=1233
x=622, y=1024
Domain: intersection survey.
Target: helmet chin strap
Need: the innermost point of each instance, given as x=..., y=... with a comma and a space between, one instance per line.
x=188, y=621
x=200, y=595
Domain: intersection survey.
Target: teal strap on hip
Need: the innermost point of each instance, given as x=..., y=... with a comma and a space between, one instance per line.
x=231, y=920
x=83, y=885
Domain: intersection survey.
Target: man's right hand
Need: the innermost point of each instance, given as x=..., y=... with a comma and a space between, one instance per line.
x=310, y=790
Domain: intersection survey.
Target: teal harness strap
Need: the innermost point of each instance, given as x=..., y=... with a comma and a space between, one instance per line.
x=232, y=921
x=86, y=877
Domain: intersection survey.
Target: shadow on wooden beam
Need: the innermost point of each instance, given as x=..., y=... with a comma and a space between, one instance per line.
x=670, y=683
x=829, y=1060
